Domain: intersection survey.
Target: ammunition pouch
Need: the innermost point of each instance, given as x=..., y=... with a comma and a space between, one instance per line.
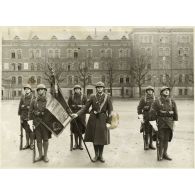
x=146, y=108
x=166, y=113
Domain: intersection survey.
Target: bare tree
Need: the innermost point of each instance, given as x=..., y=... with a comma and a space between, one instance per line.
x=84, y=72
x=58, y=73
x=110, y=72
x=139, y=70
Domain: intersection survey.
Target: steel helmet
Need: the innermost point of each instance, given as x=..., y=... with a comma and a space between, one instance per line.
x=100, y=84
x=77, y=87
x=28, y=86
x=163, y=88
x=149, y=88
x=41, y=86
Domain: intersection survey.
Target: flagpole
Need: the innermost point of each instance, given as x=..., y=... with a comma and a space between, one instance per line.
x=69, y=111
x=76, y=125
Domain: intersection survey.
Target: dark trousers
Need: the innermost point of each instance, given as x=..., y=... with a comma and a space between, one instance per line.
x=164, y=137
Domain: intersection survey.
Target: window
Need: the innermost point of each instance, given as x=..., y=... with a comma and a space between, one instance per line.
x=89, y=79
x=160, y=51
x=19, y=53
x=14, y=93
x=19, y=80
x=167, y=51
x=185, y=91
x=68, y=67
x=13, y=66
x=89, y=53
x=127, y=92
x=109, y=53
x=127, y=79
x=13, y=55
x=76, y=80
x=57, y=53
x=38, y=53
x=19, y=66
x=51, y=53
x=180, y=78
x=180, y=92
x=38, y=67
x=120, y=53
x=180, y=52
x=69, y=53
x=69, y=79
x=186, y=78
x=102, y=53
x=142, y=51
x=149, y=51
x=121, y=80
x=96, y=65
x=19, y=92
x=149, y=66
x=186, y=51
x=75, y=54
x=32, y=67
x=149, y=78
x=103, y=79
x=164, y=39
x=38, y=80
x=13, y=80
x=31, y=54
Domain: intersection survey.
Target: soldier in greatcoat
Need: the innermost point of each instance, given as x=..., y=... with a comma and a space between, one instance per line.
x=37, y=111
x=164, y=111
x=97, y=131
x=23, y=111
x=143, y=114
x=78, y=125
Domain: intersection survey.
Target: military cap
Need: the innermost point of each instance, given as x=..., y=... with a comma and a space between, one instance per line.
x=163, y=88
x=77, y=87
x=41, y=86
x=100, y=84
x=149, y=88
x=28, y=86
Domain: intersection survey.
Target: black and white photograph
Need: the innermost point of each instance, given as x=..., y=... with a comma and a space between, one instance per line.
x=97, y=97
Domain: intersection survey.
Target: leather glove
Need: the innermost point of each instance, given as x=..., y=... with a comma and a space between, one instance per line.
x=31, y=124
x=74, y=115
x=140, y=117
x=153, y=123
x=175, y=125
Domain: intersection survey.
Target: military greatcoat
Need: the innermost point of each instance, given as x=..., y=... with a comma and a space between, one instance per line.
x=96, y=131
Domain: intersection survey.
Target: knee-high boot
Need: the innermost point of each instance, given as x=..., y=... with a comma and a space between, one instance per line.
x=80, y=142
x=27, y=140
x=45, y=149
x=165, y=155
x=96, y=149
x=101, y=149
x=161, y=149
x=39, y=146
x=151, y=142
x=76, y=141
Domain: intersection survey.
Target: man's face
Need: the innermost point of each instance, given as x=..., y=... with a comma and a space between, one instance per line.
x=100, y=89
x=150, y=91
x=27, y=90
x=41, y=92
x=166, y=92
x=77, y=90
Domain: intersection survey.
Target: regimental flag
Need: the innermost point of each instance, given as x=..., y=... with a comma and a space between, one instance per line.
x=57, y=114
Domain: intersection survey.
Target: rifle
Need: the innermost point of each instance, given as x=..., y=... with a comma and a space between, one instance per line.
x=34, y=145
x=71, y=140
x=21, y=137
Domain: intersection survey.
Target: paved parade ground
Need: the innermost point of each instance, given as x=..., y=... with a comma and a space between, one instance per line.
x=125, y=150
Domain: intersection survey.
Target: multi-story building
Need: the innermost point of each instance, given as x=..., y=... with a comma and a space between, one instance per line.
x=107, y=58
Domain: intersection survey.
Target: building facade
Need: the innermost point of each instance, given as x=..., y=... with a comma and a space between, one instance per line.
x=87, y=61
